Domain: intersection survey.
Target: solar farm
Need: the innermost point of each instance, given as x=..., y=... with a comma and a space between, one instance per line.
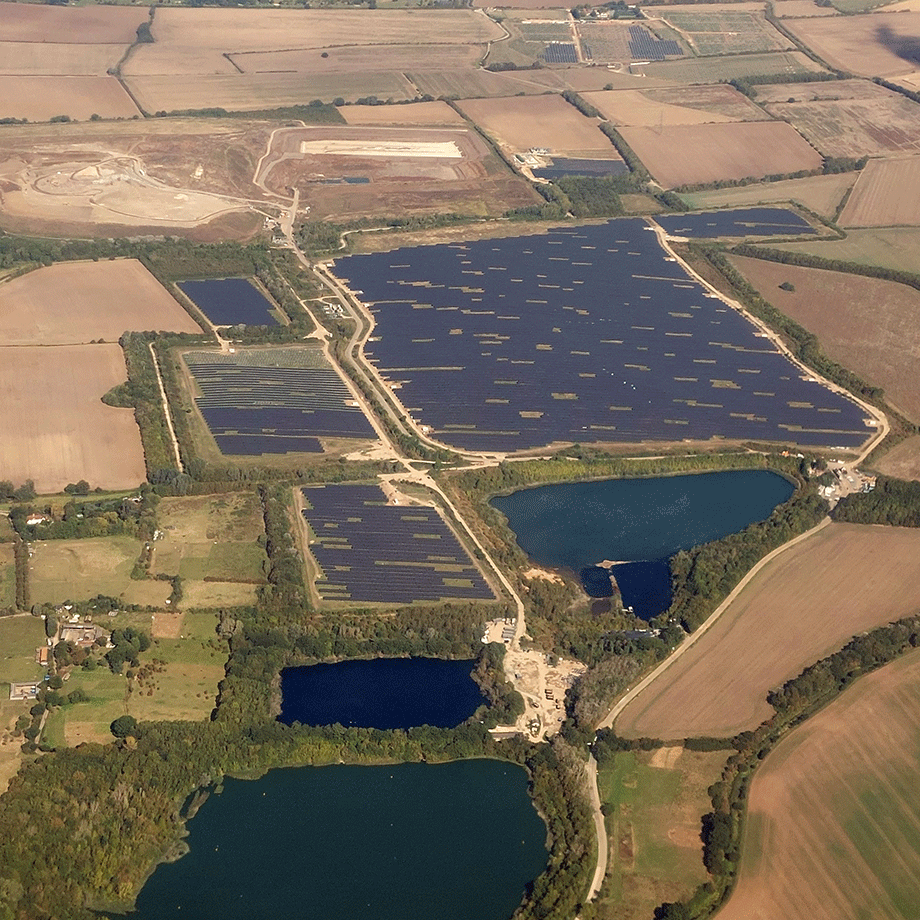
x=230, y=301
x=371, y=551
x=737, y=222
x=584, y=334
x=274, y=401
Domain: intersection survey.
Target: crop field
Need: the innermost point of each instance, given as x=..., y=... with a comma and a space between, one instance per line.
x=523, y=122
x=33, y=311
x=600, y=338
x=211, y=542
x=803, y=605
x=902, y=461
x=725, y=31
x=851, y=119
x=26, y=22
x=56, y=428
x=694, y=154
x=231, y=301
x=44, y=59
x=867, y=324
x=821, y=194
x=274, y=401
x=422, y=114
x=615, y=42
x=41, y=98
x=470, y=84
x=654, y=803
x=685, y=105
x=369, y=551
x=886, y=194
x=833, y=826
x=876, y=44
x=731, y=67
x=897, y=248
x=7, y=576
x=76, y=570
x=800, y=9
x=739, y=222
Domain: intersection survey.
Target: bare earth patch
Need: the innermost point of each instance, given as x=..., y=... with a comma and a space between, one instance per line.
x=833, y=816
x=803, y=605
x=166, y=625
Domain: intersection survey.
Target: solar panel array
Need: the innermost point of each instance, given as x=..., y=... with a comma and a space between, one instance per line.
x=737, y=222
x=230, y=301
x=581, y=334
x=274, y=401
x=560, y=53
x=648, y=47
x=369, y=551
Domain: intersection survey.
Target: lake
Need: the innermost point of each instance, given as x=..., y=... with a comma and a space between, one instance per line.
x=640, y=521
x=405, y=842
x=384, y=693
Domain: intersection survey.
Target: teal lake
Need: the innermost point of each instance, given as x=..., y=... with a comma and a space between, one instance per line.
x=404, y=842
x=640, y=521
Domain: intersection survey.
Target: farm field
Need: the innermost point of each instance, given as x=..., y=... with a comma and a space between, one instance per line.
x=44, y=59
x=520, y=123
x=867, y=324
x=731, y=67
x=26, y=22
x=641, y=364
x=821, y=194
x=842, y=580
x=801, y=9
x=56, y=428
x=41, y=98
x=833, y=827
x=897, y=248
x=902, y=461
x=7, y=577
x=76, y=570
x=849, y=118
x=211, y=542
x=686, y=105
x=547, y=37
x=654, y=803
x=722, y=30
x=614, y=42
x=368, y=551
x=873, y=45
x=468, y=84
x=33, y=311
x=885, y=195
x=274, y=401
x=679, y=155
x=420, y=113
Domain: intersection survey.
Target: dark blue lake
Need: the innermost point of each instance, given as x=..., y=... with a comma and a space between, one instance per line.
x=381, y=693
x=459, y=841
x=230, y=301
x=737, y=222
x=639, y=521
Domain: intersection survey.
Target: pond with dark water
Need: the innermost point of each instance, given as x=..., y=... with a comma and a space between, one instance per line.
x=407, y=842
x=638, y=521
x=385, y=693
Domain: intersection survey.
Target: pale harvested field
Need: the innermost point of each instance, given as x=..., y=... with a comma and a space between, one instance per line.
x=474, y=83
x=56, y=428
x=238, y=92
x=801, y=9
x=28, y=22
x=833, y=829
x=38, y=58
x=868, y=325
x=520, y=123
x=210, y=594
x=887, y=194
x=895, y=248
x=729, y=67
x=193, y=41
x=803, y=605
x=688, y=105
x=419, y=113
x=821, y=194
x=594, y=79
x=72, y=303
x=902, y=461
x=874, y=44
x=44, y=98
x=690, y=154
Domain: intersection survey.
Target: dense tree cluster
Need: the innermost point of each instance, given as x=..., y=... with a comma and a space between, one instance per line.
x=892, y=501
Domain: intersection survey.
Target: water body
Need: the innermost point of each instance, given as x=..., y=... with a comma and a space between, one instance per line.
x=384, y=693
x=406, y=842
x=230, y=301
x=640, y=521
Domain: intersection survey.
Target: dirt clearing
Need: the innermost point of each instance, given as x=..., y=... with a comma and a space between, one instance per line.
x=44, y=98
x=803, y=605
x=56, y=428
x=690, y=154
x=887, y=194
x=867, y=324
x=103, y=300
x=833, y=817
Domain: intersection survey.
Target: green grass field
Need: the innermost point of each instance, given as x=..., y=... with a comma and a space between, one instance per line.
x=654, y=803
x=896, y=248
x=731, y=67
x=7, y=575
x=19, y=637
x=77, y=570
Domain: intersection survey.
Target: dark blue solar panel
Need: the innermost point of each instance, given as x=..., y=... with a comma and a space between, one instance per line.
x=737, y=222
x=230, y=301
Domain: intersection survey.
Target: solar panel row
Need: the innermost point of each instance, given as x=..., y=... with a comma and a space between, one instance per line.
x=560, y=53
x=369, y=551
x=642, y=44
x=737, y=222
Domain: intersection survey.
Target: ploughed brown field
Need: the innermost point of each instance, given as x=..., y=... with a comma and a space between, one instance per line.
x=28, y=22
x=74, y=303
x=833, y=826
x=56, y=429
x=803, y=605
x=886, y=194
x=692, y=154
x=867, y=324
